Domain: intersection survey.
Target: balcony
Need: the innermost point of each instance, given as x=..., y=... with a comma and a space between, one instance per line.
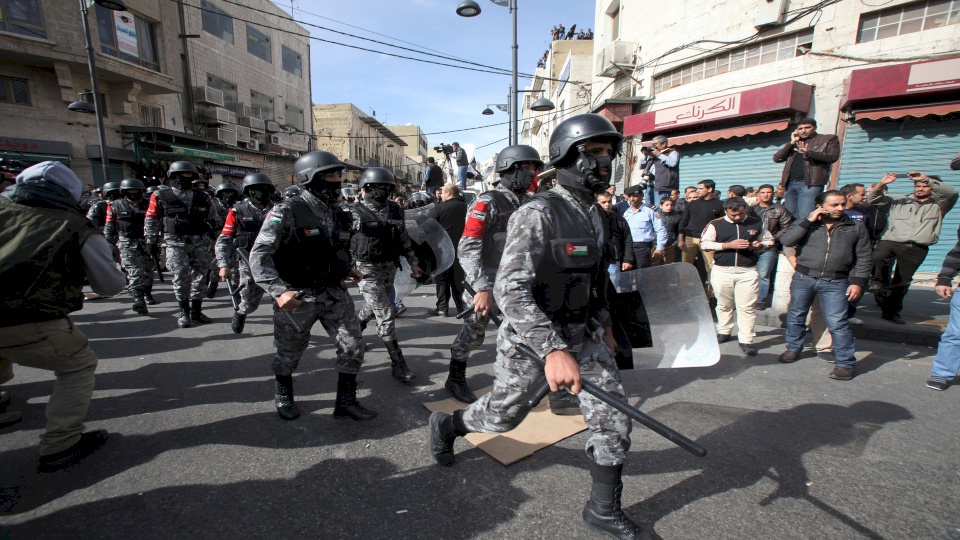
x=617, y=57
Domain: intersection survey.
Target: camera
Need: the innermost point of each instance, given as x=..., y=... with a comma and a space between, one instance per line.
x=11, y=166
x=444, y=149
x=646, y=150
x=645, y=180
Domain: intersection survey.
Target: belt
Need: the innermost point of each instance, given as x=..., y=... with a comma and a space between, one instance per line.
x=914, y=244
x=825, y=275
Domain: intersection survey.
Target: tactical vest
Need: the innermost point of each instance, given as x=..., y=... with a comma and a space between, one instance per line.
x=248, y=222
x=568, y=285
x=749, y=229
x=496, y=232
x=179, y=220
x=314, y=256
x=98, y=214
x=40, y=263
x=378, y=241
x=130, y=217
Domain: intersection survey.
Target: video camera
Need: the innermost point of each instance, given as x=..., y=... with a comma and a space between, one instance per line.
x=444, y=149
x=11, y=166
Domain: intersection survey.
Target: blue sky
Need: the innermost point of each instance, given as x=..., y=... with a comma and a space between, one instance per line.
x=437, y=98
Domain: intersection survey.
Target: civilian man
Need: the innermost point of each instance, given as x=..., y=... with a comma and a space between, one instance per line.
x=664, y=164
x=646, y=229
x=807, y=160
x=432, y=178
x=460, y=155
x=451, y=213
x=706, y=208
x=947, y=361
x=776, y=220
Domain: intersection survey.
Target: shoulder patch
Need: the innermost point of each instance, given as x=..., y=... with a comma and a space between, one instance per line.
x=476, y=223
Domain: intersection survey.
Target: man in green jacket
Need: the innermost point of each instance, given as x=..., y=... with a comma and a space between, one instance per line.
x=47, y=248
x=913, y=226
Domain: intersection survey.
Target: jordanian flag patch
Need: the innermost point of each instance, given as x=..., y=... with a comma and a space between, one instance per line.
x=577, y=250
x=311, y=232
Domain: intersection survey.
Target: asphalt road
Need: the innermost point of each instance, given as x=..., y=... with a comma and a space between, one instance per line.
x=197, y=450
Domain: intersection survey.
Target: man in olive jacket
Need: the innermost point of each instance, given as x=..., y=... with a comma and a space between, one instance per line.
x=807, y=160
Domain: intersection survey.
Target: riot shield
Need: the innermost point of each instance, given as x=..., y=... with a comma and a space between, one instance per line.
x=681, y=327
x=418, y=214
x=434, y=250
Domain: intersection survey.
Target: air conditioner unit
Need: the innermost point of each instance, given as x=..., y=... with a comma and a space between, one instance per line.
x=233, y=117
x=215, y=115
x=273, y=139
x=253, y=144
x=253, y=112
x=243, y=133
x=208, y=95
x=615, y=58
x=272, y=126
x=228, y=127
x=255, y=124
x=227, y=137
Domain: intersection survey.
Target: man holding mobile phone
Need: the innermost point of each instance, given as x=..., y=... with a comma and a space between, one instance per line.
x=833, y=264
x=807, y=160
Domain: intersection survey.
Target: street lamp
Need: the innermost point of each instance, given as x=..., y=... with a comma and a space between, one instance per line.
x=468, y=8
x=83, y=106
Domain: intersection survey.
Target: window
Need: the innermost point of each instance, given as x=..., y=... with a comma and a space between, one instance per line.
x=22, y=17
x=229, y=90
x=151, y=116
x=14, y=91
x=258, y=44
x=291, y=61
x=216, y=21
x=907, y=19
x=755, y=54
x=88, y=97
x=128, y=37
x=293, y=117
x=264, y=103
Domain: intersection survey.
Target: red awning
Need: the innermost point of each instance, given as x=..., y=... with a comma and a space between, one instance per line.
x=738, y=131
x=900, y=112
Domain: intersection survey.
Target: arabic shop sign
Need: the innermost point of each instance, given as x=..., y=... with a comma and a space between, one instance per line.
x=11, y=144
x=126, y=33
x=698, y=111
x=929, y=76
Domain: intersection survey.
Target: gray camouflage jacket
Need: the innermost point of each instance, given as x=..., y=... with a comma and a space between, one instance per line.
x=480, y=274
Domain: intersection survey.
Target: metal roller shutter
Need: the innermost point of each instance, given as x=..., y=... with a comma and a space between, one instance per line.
x=280, y=170
x=871, y=148
x=747, y=161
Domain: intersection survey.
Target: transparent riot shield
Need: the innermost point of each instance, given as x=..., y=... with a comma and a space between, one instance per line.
x=434, y=250
x=681, y=327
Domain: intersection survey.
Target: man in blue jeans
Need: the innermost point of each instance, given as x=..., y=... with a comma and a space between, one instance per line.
x=833, y=264
x=460, y=155
x=776, y=219
x=807, y=160
x=947, y=361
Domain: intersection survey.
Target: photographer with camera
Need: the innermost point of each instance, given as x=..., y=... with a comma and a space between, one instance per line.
x=661, y=170
x=913, y=226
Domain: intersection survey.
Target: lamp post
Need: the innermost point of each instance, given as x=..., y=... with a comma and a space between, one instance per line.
x=81, y=106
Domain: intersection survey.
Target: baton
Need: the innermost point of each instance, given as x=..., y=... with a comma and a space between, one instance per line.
x=233, y=293
x=627, y=409
x=155, y=255
x=493, y=317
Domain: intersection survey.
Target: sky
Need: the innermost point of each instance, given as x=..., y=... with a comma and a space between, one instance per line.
x=437, y=98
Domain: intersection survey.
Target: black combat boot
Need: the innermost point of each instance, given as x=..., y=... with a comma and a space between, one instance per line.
x=286, y=407
x=347, y=405
x=602, y=512
x=457, y=383
x=148, y=295
x=444, y=430
x=400, y=370
x=196, y=314
x=239, y=319
x=563, y=403
x=184, y=320
x=139, y=304
x=212, y=288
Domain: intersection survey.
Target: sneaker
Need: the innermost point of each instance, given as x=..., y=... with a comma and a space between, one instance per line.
x=855, y=321
x=789, y=357
x=895, y=319
x=760, y=306
x=841, y=373
x=89, y=443
x=401, y=309
x=723, y=338
x=748, y=349
x=937, y=382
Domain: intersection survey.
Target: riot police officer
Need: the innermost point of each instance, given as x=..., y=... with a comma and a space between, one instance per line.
x=124, y=229
x=550, y=288
x=301, y=258
x=225, y=197
x=292, y=191
x=187, y=217
x=379, y=240
x=240, y=229
x=97, y=214
x=480, y=250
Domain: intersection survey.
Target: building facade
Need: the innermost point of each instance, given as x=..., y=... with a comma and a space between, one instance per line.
x=359, y=140
x=883, y=78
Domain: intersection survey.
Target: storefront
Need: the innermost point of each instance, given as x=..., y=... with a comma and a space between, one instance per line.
x=30, y=151
x=901, y=118
x=729, y=139
x=116, y=158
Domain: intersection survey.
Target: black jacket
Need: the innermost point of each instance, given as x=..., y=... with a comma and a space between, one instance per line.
x=434, y=177
x=697, y=214
x=451, y=214
x=843, y=251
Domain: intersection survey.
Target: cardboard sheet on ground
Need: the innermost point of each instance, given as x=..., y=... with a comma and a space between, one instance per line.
x=540, y=429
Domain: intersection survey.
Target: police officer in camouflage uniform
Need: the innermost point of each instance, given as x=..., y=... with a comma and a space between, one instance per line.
x=550, y=288
x=187, y=217
x=97, y=214
x=292, y=191
x=240, y=229
x=480, y=249
x=301, y=258
x=379, y=240
x=124, y=229
x=224, y=198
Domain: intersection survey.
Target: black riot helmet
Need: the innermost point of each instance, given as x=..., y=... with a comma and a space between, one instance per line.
x=257, y=179
x=183, y=174
x=377, y=176
x=292, y=191
x=421, y=198
x=132, y=183
x=576, y=169
x=227, y=186
x=315, y=163
x=512, y=175
x=111, y=190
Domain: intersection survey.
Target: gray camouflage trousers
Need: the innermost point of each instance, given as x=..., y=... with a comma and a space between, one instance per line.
x=251, y=293
x=471, y=334
x=333, y=307
x=375, y=288
x=188, y=258
x=137, y=263
x=517, y=378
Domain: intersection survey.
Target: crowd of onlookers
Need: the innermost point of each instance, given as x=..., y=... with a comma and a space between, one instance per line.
x=560, y=33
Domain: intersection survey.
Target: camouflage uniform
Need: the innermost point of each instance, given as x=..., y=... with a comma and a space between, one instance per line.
x=97, y=214
x=188, y=255
x=222, y=210
x=528, y=245
x=240, y=229
x=480, y=250
x=326, y=300
x=124, y=229
x=377, y=264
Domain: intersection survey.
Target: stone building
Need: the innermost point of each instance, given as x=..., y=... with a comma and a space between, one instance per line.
x=359, y=140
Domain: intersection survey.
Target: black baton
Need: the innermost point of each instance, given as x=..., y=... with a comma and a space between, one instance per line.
x=493, y=317
x=233, y=299
x=627, y=409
